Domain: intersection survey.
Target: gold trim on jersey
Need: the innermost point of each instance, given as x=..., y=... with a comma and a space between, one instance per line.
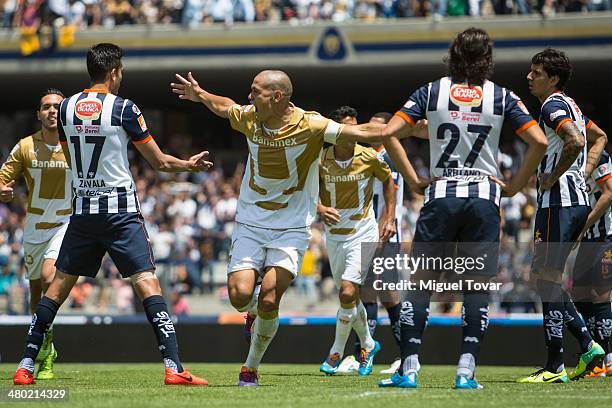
x=272, y=162
x=252, y=183
x=270, y=205
x=304, y=162
x=342, y=231
x=47, y=225
x=368, y=194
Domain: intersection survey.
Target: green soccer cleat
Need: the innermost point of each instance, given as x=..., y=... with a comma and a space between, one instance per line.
x=45, y=370
x=588, y=361
x=45, y=348
x=545, y=377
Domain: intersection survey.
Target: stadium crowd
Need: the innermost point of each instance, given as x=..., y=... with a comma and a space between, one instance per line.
x=110, y=13
x=190, y=219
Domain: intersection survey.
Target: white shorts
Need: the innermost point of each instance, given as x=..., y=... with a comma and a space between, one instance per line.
x=35, y=254
x=257, y=248
x=345, y=257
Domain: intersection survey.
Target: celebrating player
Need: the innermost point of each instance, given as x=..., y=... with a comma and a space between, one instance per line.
x=563, y=208
x=346, y=178
x=95, y=127
x=466, y=112
x=278, y=196
x=39, y=157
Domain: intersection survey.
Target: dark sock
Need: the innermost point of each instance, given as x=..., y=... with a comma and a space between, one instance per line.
x=157, y=313
x=413, y=319
x=394, y=318
x=600, y=324
x=575, y=324
x=553, y=311
x=475, y=321
x=41, y=320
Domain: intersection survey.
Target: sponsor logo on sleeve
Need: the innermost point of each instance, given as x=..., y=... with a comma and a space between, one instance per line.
x=136, y=110
x=556, y=114
x=409, y=104
x=88, y=109
x=142, y=123
x=463, y=95
x=522, y=107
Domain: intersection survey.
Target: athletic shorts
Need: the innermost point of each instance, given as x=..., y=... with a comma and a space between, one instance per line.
x=90, y=236
x=35, y=254
x=259, y=248
x=346, y=258
x=593, y=268
x=459, y=228
x=555, y=231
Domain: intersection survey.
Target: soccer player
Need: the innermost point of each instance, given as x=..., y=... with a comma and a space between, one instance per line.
x=465, y=113
x=592, y=279
x=95, y=128
x=40, y=159
x=563, y=208
x=369, y=296
x=278, y=196
x=346, y=178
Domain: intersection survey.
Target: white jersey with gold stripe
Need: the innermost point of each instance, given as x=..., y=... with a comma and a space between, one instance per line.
x=349, y=190
x=49, y=184
x=280, y=185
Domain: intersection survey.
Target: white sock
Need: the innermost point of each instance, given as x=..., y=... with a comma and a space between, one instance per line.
x=264, y=331
x=28, y=364
x=360, y=324
x=609, y=358
x=467, y=365
x=344, y=323
x=411, y=364
x=251, y=307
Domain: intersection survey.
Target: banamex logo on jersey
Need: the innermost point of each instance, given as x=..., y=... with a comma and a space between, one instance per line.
x=88, y=109
x=464, y=95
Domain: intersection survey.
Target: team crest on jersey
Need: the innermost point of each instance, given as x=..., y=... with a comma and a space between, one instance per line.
x=463, y=95
x=603, y=169
x=88, y=109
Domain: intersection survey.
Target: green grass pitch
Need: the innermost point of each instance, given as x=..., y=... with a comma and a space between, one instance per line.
x=140, y=385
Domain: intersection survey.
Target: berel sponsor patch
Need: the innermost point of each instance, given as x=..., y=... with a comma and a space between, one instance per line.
x=142, y=123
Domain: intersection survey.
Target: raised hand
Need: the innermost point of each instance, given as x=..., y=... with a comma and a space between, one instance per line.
x=187, y=88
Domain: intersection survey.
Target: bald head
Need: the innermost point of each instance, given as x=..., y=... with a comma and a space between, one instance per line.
x=276, y=80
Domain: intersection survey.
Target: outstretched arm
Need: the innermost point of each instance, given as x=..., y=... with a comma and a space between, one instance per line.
x=189, y=89
x=170, y=164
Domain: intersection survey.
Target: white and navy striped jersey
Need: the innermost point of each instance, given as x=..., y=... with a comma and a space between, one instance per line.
x=601, y=173
x=97, y=127
x=378, y=199
x=464, y=127
x=570, y=190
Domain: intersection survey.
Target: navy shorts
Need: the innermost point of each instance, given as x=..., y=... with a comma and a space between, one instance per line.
x=459, y=227
x=593, y=268
x=555, y=231
x=90, y=236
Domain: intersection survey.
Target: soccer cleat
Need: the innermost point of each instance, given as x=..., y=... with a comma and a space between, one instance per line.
x=598, y=372
x=349, y=364
x=331, y=364
x=248, y=377
x=543, y=376
x=45, y=369
x=248, y=326
x=393, y=368
x=23, y=377
x=46, y=347
x=366, y=359
x=185, y=378
x=463, y=382
x=588, y=361
x=400, y=381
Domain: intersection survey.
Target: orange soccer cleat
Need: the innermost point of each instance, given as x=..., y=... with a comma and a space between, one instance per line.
x=184, y=378
x=598, y=372
x=23, y=377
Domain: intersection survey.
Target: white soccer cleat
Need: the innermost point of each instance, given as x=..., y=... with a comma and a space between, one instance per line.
x=393, y=368
x=349, y=365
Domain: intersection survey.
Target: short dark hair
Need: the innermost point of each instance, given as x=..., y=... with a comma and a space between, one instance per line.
x=554, y=62
x=101, y=59
x=50, y=91
x=386, y=116
x=470, y=57
x=342, y=112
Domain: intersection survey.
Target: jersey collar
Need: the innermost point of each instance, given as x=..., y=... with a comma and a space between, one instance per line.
x=97, y=90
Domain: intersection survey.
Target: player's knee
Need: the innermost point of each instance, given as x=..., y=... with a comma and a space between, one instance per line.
x=267, y=305
x=240, y=295
x=348, y=292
